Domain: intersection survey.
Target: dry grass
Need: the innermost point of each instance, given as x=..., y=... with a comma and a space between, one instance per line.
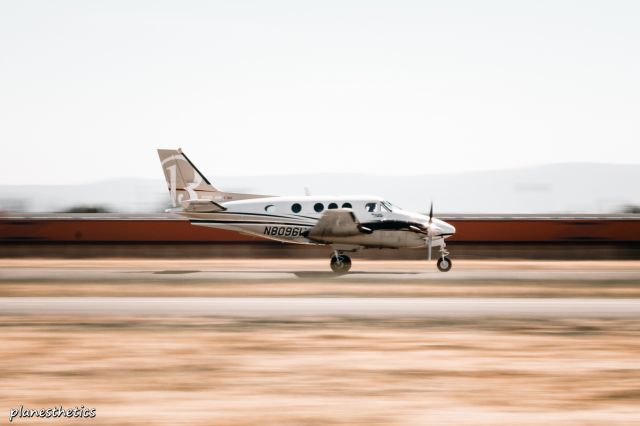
x=201, y=371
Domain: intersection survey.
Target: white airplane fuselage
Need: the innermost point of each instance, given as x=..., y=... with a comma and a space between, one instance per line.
x=288, y=219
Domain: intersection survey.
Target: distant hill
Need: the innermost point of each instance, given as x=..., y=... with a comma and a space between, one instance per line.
x=557, y=188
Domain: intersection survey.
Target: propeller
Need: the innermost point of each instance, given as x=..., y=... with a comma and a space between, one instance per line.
x=429, y=231
x=432, y=230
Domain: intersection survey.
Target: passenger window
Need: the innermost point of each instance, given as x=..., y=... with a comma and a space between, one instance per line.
x=296, y=208
x=270, y=208
x=370, y=207
x=347, y=206
x=318, y=207
x=332, y=206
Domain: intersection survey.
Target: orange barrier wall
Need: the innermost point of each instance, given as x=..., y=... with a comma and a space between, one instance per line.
x=468, y=230
x=77, y=230
x=517, y=230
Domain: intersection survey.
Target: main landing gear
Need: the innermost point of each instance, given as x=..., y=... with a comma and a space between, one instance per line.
x=444, y=263
x=340, y=263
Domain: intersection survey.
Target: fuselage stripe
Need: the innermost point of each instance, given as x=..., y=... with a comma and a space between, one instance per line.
x=267, y=215
x=248, y=222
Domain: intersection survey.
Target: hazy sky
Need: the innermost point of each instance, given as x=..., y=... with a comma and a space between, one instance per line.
x=89, y=90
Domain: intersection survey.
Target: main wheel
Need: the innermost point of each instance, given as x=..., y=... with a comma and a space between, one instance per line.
x=340, y=264
x=444, y=264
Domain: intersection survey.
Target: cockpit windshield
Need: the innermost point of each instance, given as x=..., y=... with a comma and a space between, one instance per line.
x=389, y=207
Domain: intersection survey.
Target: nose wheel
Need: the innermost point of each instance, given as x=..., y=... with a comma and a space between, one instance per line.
x=444, y=264
x=340, y=263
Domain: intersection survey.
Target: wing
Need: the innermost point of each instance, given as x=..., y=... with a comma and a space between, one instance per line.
x=336, y=223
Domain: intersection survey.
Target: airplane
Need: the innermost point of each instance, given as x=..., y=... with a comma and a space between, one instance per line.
x=345, y=223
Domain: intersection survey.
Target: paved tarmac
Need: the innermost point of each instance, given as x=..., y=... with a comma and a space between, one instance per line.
x=304, y=307
x=368, y=271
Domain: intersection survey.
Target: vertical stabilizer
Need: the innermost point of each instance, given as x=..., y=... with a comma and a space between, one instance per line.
x=184, y=180
x=186, y=183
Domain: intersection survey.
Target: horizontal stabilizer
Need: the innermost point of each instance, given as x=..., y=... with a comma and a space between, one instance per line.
x=202, y=206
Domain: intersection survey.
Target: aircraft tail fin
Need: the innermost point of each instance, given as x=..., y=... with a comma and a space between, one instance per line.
x=184, y=180
x=186, y=183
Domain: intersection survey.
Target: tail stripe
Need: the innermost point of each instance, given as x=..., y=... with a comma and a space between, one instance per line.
x=204, y=178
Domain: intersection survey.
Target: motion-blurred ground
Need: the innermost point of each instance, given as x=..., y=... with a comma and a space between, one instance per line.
x=205, y=370
x=326, y=371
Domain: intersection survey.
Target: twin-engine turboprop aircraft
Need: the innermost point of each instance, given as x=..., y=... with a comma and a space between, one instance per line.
x=345, y=223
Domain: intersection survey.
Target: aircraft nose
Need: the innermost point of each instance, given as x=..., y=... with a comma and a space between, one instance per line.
x=453, y=229
x=448, y=228
x=444, y=227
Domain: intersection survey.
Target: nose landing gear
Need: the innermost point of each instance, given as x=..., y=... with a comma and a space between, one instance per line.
x=340, y=263
x=444, y=264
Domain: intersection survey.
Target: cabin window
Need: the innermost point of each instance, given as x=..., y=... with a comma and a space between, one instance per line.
x=296, y=208
x=318, y=207
x=332, y=206
x=347, y=206
x=270, y=208
x=370, y=207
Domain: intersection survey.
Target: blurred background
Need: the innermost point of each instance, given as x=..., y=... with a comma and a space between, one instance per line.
x=557, y=188
x=491, y=111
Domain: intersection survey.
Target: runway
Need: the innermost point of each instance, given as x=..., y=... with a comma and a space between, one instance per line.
x=269, y=278
x=292, y=270
x=305, y=307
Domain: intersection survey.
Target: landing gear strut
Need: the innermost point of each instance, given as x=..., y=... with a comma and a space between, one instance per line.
x=340, y=263
x=444, y=263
